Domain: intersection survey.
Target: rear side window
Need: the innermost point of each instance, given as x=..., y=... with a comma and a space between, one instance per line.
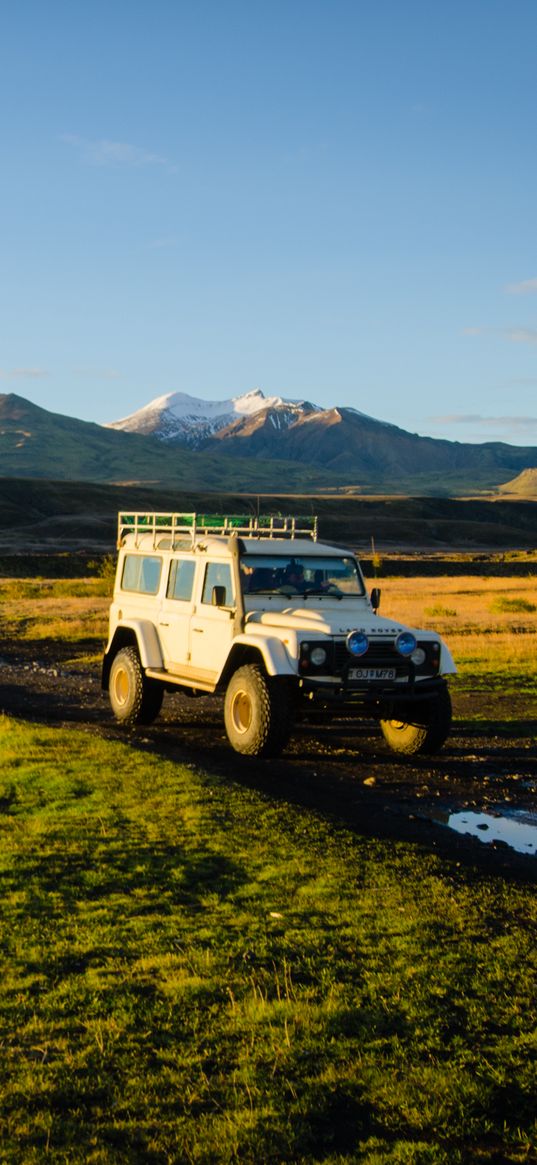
x=141, y=572
x=181, y=579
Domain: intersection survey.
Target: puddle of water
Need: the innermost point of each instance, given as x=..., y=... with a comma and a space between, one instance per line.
x=517, y=829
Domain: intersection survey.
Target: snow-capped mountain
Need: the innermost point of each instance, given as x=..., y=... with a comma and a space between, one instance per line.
x=269, y=444
x=342, y=441
x=180, y=419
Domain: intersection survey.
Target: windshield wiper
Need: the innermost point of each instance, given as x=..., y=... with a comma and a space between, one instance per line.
x=329, y=592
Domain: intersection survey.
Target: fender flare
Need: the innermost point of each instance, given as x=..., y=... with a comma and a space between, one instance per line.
x=144, y=634
x=447, y=663
x=272, y=652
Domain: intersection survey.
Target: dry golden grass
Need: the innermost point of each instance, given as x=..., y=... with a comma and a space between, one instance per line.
x=466, y=602
x=490, y=624
x=45, y=609
x=479, y=617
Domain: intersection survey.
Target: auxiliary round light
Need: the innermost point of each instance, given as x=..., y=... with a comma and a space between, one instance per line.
x=405, y=643
x=357, y=643
x=318, y=656
x=418, y=656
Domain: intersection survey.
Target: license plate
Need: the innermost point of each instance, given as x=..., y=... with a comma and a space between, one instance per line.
x=372, y=673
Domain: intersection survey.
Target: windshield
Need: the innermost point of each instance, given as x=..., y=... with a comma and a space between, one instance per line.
x=269, y=574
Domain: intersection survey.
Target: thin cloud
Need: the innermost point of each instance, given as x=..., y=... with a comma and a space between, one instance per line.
x=521, y=335
x=98, y=373
x=513, y=422
x=103, y=152
x=514, y=335
x=526, y=287
x=22, y=373
x=164, y=244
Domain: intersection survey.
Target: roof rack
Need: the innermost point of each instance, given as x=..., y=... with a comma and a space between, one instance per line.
x=176, y=526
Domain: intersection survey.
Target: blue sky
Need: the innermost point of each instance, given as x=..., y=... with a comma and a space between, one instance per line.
x=334, y=201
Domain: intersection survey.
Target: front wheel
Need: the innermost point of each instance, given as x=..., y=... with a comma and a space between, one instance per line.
x=257, y=712
x=134, y=699
x=425, y=730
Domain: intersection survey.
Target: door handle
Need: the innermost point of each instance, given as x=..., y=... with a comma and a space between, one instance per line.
x=161, y=624
x=198, y=629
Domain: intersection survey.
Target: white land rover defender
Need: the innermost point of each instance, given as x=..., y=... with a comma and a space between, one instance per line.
x=258, y=610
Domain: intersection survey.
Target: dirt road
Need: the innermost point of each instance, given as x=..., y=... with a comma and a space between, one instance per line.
x=341, y=770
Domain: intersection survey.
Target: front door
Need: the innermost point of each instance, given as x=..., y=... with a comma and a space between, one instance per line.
x=211, y=627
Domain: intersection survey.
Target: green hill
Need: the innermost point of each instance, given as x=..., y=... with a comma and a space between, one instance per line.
x=36, y=443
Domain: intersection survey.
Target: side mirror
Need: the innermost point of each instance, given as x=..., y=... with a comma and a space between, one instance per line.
x=218, y=596
x=375, y=598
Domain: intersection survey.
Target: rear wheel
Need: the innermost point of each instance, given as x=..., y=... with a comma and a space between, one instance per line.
x=257, y=712
x=134, y=699
x=424, y=730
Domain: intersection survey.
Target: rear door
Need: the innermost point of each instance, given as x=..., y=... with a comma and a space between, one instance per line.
x=176, y=613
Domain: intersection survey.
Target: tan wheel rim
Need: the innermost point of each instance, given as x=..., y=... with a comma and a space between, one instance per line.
x=241, y=711
x=121, y=686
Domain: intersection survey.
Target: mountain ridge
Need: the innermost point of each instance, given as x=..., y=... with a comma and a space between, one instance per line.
x=178, y=418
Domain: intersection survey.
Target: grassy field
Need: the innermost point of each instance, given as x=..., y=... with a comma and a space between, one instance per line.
x=74, y=611
x=490, y=624
x=194, y=972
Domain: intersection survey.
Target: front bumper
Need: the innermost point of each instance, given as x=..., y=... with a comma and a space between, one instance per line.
x=371, y=695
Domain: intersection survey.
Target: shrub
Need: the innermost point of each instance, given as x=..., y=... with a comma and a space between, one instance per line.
x=439, y=611
x=502, y=604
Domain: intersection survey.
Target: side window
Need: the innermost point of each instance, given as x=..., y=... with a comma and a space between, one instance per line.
x=217, y=574
x=181, y=579
x=141, y=572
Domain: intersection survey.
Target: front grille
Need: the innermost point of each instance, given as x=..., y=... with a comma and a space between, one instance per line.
x=378, y=654
x=382, y=653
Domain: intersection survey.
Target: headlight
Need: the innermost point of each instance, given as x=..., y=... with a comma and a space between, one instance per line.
x=418, y=656
x=405, y=643
x=357, y=643
x=318, y=656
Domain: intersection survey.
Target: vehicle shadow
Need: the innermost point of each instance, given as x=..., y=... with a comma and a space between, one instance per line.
x=52, y=703
x=342, y=770
x=347, y=775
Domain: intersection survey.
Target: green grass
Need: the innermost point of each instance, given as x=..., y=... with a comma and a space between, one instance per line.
x=40, y=589
x=193, y=972
x=505, y=662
